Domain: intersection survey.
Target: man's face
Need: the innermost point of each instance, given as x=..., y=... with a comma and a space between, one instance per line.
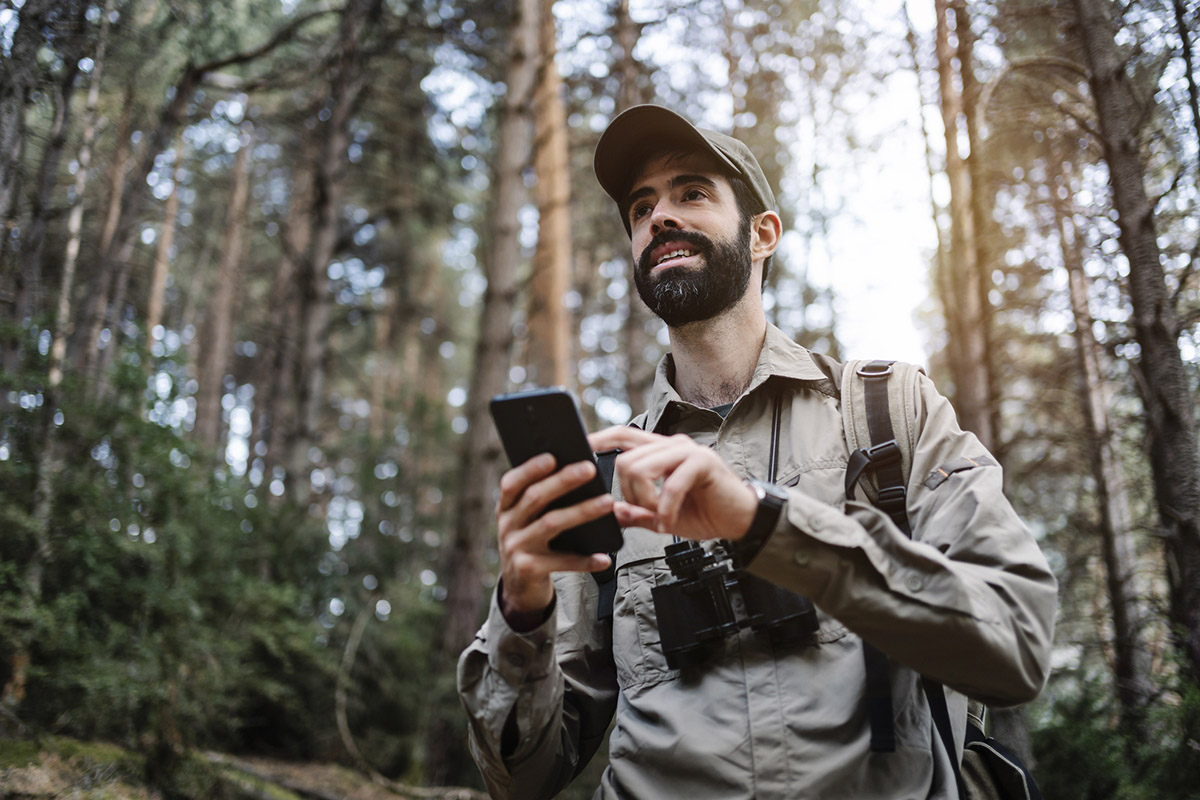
x=690, y=248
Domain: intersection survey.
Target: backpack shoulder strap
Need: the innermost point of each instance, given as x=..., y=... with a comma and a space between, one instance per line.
x=877, y=418
x=877, y=414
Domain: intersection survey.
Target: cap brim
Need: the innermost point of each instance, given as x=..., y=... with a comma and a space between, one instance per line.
x=637, y=133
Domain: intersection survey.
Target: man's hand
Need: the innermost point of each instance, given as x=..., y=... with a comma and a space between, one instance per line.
x=526, y=560
x=673, y=485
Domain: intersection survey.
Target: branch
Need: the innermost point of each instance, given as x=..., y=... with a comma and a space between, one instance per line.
x=281, y=36
x=1174, y=185
x=1023, y=64
x=1187, y=321
x=343, y=679
x=1186, y=274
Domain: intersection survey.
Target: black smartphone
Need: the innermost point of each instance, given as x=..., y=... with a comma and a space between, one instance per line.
x=547, y=421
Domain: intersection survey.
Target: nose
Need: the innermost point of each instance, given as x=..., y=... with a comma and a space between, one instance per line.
x=662, y=217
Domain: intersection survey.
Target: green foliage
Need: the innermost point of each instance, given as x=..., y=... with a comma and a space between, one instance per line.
x=158, y=614
x=18, y=752
x=1082, y=754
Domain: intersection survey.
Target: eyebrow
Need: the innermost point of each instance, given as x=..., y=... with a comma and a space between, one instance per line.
x=677, y=181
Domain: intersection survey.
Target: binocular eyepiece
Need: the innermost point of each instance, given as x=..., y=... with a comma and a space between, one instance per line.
x=709, y=600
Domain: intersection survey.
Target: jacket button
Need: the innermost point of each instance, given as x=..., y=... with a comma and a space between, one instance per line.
x=915, y=584
x=816, y=523
x=516, y=659
x=802, y=558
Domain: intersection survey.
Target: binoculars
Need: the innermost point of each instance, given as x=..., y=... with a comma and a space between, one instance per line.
x=709, y=600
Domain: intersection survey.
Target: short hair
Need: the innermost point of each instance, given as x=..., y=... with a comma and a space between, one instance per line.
x=749, y=206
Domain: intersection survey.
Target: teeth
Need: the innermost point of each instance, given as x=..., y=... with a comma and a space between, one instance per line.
x=673, y=254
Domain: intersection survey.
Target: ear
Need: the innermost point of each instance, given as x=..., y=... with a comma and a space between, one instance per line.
x=765, y=230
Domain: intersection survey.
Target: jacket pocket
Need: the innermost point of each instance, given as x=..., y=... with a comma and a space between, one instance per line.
x=637, y=645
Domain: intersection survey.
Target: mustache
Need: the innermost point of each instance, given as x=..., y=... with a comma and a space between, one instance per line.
x=699, y=240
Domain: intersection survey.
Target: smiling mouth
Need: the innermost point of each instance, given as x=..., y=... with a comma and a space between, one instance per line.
x=673, y=255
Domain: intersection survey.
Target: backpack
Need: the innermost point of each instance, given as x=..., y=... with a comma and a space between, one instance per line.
x=877, y=415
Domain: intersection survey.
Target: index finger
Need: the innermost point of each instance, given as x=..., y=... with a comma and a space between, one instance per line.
x=621, y=437
x=514, y=482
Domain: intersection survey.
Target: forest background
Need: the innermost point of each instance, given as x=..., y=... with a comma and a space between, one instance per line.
x=264, y=262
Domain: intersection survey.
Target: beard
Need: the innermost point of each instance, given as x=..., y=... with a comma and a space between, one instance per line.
x=681, y=295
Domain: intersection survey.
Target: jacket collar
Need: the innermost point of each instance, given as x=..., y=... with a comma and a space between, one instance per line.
x=780, y=357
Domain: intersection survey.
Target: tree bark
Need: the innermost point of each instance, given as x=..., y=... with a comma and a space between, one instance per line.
x=1185, y=53
x=218, y=344
x=1131, y=663
x=480, y=458
x=19, y=73
x=549, y=333
x=1167, y=399
x=968, y=353
x=162, y=251
x=112, y=264
x=639, y=370
x=274, y=408
x=982, y=222
x=52, y=461
x=27, y=299
x=347, y=80
x=940, y=267
x=63, y=317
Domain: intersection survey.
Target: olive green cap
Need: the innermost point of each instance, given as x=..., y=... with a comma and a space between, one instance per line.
x=641, y=131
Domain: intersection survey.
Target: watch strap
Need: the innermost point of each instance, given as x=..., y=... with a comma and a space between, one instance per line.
x=771, y=500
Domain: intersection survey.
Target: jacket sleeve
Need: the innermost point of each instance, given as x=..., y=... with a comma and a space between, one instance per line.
x=539, y=703
x=969, y=601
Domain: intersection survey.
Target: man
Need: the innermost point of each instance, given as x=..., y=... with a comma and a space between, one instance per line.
x=968, y=601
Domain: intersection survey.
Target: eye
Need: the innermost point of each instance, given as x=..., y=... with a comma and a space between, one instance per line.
x=639, y=210
x=693, y=194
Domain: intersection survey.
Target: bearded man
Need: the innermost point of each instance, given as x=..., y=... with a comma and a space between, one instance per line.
x=743, y=444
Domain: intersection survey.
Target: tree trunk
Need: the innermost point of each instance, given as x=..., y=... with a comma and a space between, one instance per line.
x=1170, y=420
x=218, y=344
x=19, y=73
x=416, y=371
x=940, y=267
x=1131, y=663
x=1185, y=53
x=63, y=317
x=968, y=354
x=639, y=370
x=98, y=275
x=52, y=461
x=481, y=465
x=112, y=265
x=27, y=300
x=117, y=171
x=162, y=251
x=964, y=292
x=274, y=408
x=548, y=321
x=347, y=79
x=982, y=222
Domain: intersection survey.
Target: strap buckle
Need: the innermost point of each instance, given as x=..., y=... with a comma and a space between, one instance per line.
x=884, y=453
x=892, y=500
x=875, y=369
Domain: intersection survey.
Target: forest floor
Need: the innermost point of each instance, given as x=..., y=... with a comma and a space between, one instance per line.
x=60, y=768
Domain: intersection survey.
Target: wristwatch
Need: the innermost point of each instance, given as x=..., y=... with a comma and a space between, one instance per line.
x=771, y=500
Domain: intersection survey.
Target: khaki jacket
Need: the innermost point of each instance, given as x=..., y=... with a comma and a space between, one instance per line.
x=968, y=601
